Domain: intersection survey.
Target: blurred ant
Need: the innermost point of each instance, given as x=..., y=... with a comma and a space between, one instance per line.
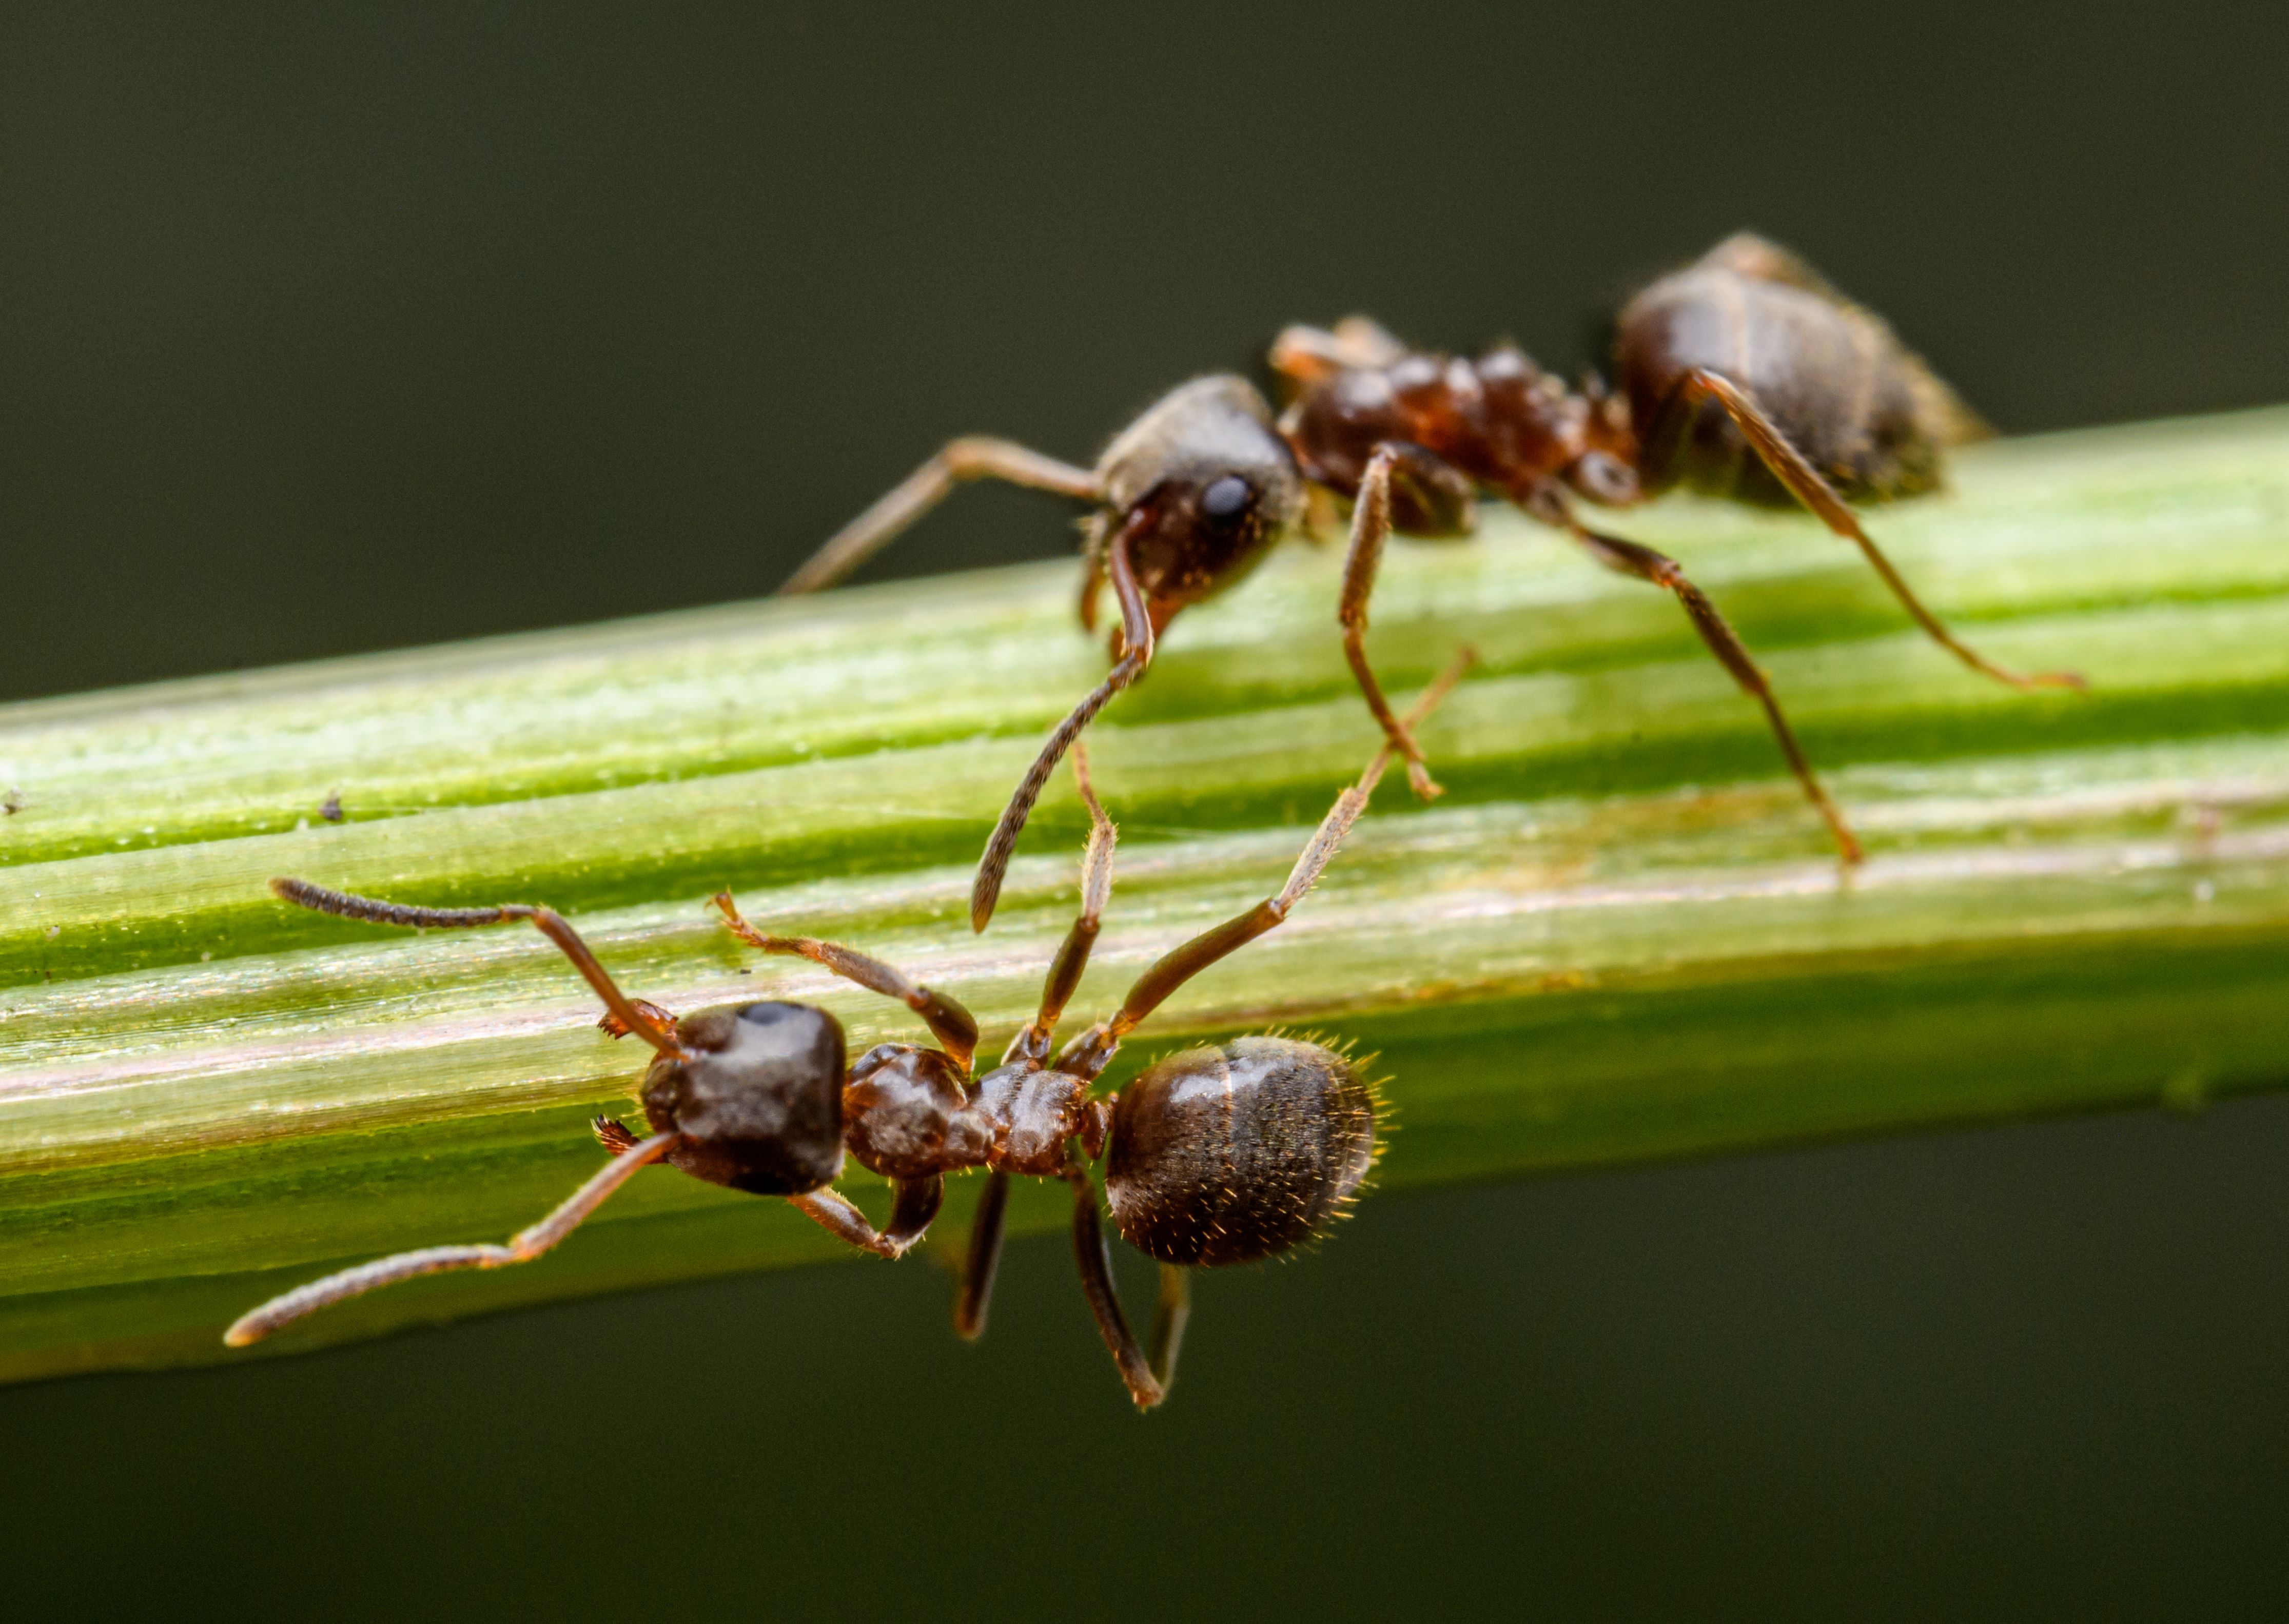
x=1213, y=1156
x=1745, y=375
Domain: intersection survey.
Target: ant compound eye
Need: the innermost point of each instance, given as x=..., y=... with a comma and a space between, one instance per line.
x=1225, y=501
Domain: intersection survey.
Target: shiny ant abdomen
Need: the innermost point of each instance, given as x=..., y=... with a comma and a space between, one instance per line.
x=1215, y=1155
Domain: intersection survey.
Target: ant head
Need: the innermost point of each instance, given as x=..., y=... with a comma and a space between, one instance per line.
x=1206, y=484
x=1229, y=1154
x=757, y=1094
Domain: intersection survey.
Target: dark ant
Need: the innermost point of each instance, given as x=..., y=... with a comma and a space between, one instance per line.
x=1213, y=1156
x=1745, y=375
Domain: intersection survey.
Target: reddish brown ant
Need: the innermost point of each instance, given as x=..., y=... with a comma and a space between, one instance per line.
x=1216, y=1155
x=1745, y=375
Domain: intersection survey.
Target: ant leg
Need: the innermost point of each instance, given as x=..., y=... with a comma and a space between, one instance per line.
x=1629, y=558
x=1169, y=1317
x=971, y=457
x=1304, y=354
x=523, y=1248
x=913, y=1204
x=1137, y=638
x=982, y=1259
x=952, y=1025
x=635, y=1016
x=1001, y=845
x=1072, y=954
x=612, y=1026
x=1090, y=1053
x=1095, y=1258
x=614, y=1134
x=1433, y=486
x=1092, y=574
x=1806, y=484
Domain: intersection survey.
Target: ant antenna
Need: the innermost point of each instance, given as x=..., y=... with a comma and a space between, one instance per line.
x=635, y=1018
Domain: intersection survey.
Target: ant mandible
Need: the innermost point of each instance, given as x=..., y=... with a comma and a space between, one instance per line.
x=1213, y=1156
x=1745, y=375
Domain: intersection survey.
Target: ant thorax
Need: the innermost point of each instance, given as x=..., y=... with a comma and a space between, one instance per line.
x=1036, y=1113
x=1501, y=420
x=906, y=1114
x=909, y=1113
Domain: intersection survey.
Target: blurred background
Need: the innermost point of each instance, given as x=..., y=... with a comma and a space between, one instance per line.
x=327, y=330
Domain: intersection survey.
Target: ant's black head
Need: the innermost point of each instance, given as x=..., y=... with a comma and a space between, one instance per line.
x=757, y=1094
x=1229, y=1154
x=1210, y=483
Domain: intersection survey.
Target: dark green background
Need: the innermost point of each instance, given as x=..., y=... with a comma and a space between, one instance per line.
x=334, y=329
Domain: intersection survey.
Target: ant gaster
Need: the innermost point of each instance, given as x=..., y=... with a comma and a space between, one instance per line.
x=1745, y=375
x=1215, y=1155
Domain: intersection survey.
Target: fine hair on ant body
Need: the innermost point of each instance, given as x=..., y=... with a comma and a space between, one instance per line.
x=1225, y=1154
x=1745, y=375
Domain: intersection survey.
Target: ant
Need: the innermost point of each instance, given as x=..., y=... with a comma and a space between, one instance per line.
x=1745, y=375
x=1217, y=1155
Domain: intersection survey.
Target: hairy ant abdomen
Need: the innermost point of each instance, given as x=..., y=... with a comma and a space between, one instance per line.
x=1238, y=1152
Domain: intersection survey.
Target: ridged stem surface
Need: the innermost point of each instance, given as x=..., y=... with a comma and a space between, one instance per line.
x=1620, y=935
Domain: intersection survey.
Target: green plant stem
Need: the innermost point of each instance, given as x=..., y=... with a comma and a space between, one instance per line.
x=1620, y=935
